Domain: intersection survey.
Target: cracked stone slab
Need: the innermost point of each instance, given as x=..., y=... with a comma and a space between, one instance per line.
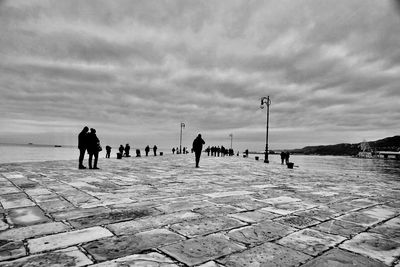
x=152, y=259
x=205, y=226
x=389, y=229
x=340, y=258
x=267, y=254
x=310, y=241
x=375, y=246
x=15, y=200
x=66, y=257
x=299, y=222
x=342, y=228
x=203, y=249
x=11, y=249
x=135, y=226
x=253, y=216
x=260, y=233
x=56, y=241
x=111, y=217
x=27, y=216
x=117, y=247
x=34, y=230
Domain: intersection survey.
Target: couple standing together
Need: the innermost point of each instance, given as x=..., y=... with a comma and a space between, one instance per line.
x=88, y=141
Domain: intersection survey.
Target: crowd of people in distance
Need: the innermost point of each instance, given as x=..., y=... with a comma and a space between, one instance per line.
x=88, y=141
x=217, y=151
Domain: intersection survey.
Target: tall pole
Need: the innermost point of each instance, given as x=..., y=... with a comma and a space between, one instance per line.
x=267, y=102
x=180, y=140
x=231, y=136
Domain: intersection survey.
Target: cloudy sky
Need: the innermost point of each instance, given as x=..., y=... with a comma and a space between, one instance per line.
x=135, y=69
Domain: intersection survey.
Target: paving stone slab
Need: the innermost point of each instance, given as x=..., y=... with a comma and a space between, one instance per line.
x=206, y=225
x=299, y=222
x=9, y=189
x=342, y=207
x=78, y=213
x=111, y=217
x=135, y=226
x=3, y=224
x=260, y=233
x=380, y=212
x=281, y=200
x=362, y=203
x=360, y=218
x=389, y=229
x=11, y=249
x=27, y=216
x=66, y=257
x=342, y=228
x=310, y=241
x=228, y=193
x=202, y=249
x=121, y=246
x=182, y=206
x=15, y=200
x=56, y=205
x=340, y=258
x=321, y=214
x=288, y=208
x=56, y=241
x=214, y=210
x=210, y=264
x=254, y=216
x=38, y=191
x=266, y=255
x=152, y=259
x=375, y=246
x=34, y=230
x=243, y=202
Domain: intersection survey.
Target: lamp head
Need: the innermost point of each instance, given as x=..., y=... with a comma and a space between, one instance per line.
x=261, y=106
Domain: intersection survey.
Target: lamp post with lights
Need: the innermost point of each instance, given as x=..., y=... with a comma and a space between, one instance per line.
x=180, y=139
x=266, y=101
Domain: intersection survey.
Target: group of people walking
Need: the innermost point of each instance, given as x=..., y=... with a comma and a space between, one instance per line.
x=285, y=157
x=88, y=141
x=217, y=151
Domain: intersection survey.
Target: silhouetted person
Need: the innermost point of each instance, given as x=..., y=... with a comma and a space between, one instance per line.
x=155, y=150
x=93, y=148
x=197, y=147
x=283, y=157
x=246, y=152
x=127, y=149
x=287, y=157
x=208, y=150
x=147, y=150
x=108, y=151
x=138, y=153
x=173, y=150
x=121, y=149
x=82, y=145
x=184, y=150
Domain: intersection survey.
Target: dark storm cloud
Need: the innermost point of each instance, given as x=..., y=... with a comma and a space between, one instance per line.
x=331, y=68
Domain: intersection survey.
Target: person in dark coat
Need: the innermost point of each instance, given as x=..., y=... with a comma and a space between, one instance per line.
x=173, y=150
x=127, y=149
x=121, y=149
x=283, y=157
x=82, y=145
x=287, y=157
x=108, y=151
x=197, y=148
x=155, y=150
x=147, y=150
x=93, y=148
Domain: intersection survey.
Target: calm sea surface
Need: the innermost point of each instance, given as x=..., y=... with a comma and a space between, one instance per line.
x=334, y=165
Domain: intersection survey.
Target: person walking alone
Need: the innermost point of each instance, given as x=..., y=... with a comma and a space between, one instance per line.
x=82, y=145
x=197, y=148
x=93, y=148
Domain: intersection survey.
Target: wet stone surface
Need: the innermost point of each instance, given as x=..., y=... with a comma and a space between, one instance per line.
x=161, y=211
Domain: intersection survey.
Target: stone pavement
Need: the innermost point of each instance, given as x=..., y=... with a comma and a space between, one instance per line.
x=161, y=211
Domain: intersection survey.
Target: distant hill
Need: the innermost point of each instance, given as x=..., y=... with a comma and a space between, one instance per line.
x=386, y=144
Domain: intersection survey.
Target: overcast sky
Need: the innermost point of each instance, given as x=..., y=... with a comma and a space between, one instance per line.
x=135, y=69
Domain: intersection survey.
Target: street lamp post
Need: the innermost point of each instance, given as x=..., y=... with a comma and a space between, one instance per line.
x=266, y=101
x=180, y=140
x=231, y=136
